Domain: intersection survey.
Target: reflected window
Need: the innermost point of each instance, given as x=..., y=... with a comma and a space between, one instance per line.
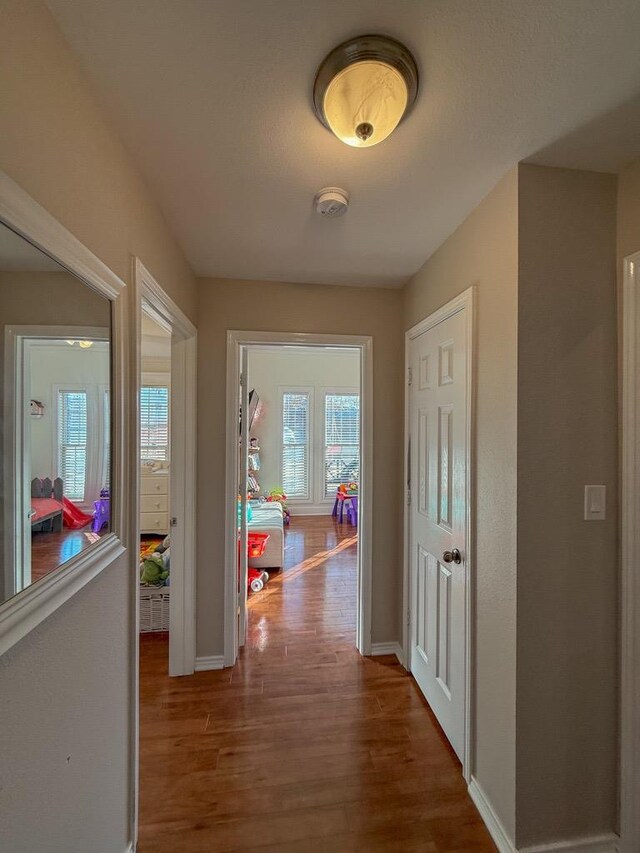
x=72, y=443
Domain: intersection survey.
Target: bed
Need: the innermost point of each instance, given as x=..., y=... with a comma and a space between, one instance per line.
x=267, y=517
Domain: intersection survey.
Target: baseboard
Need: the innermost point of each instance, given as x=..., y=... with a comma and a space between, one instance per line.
x=491, y=820
x=595, y=844
x=392, y=648
x=211, y=662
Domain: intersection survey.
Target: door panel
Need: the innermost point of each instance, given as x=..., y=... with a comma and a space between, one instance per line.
x=437, y=520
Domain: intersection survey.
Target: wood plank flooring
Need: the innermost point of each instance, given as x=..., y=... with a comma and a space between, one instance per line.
x=50, y=550
x=304, y=746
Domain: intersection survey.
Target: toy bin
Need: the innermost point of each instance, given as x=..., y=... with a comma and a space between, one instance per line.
x=256, y=544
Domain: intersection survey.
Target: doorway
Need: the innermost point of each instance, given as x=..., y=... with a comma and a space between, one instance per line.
x=438, y=513
x=59, y=438
x=301, y=455
x=166, y=424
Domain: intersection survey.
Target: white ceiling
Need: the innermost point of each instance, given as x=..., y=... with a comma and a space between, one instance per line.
x=213, y=99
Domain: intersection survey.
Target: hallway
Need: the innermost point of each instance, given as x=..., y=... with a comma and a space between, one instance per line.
x=303, y=746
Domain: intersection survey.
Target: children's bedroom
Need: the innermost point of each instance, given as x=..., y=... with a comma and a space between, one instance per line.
x=302, y=487
x=69, y=435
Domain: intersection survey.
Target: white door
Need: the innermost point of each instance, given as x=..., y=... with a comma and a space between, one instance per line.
x=437, y=520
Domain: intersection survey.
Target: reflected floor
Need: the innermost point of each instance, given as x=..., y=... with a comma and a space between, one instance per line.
x=50, y=550
x=303, y=746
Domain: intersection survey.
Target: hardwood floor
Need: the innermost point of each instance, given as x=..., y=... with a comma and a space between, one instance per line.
x=50, y=550
x=304, y=746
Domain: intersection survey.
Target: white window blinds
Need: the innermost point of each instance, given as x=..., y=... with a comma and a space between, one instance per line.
x=154, y=422
x=295, y=444
x=72, y=443
x=342, y=441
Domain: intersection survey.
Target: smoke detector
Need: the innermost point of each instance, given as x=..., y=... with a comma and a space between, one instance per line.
x=332, y=201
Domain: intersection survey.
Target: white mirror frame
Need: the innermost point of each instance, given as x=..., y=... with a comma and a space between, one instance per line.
x=22, y=613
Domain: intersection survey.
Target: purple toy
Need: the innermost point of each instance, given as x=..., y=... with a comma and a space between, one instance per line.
x=102, y=511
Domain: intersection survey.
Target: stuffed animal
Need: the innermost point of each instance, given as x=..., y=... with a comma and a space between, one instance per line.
x=153, y=571
x=278, y=496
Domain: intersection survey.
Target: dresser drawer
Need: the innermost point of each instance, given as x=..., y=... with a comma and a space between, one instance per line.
x=154, y=503
x=152, y=522
x=158, y=485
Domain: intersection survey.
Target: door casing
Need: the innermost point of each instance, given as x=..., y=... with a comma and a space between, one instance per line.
x=236, y=340
x=463, y=302
x=152, y=299
x=630, y=558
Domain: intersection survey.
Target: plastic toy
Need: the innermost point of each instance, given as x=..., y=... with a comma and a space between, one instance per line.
x=256, y=544
x=249, y=511
x=257, y=579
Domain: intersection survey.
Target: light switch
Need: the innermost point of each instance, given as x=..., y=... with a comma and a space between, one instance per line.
x=595, y=503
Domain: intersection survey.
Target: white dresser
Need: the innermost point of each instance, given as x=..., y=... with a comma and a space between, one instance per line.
x=154, y=502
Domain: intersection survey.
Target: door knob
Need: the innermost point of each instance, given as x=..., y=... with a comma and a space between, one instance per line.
x=453, y=556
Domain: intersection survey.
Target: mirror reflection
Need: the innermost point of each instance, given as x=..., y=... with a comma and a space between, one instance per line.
x=55, y=414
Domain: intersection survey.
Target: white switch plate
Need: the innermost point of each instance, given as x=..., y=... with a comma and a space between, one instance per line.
x=595, y=503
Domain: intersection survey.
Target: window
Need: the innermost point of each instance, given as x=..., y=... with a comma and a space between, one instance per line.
x=106, y=439
x=341, y=440
x=154, y=423
x=72, y=442
x=295, y=444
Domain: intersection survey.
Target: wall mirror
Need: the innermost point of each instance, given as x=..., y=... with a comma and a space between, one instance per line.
x=55, y=415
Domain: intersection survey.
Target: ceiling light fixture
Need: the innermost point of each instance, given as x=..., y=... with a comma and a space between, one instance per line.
x=364, y=88
x=81, y=344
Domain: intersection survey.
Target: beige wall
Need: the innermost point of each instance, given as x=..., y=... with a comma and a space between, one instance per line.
x=65, y=689
x=268, y=306
x=567, y=567
x=483, y=252
x=541, y=251
x=57, y=144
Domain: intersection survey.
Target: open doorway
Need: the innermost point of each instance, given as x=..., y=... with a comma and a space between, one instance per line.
x=155, y=483
x=166, y=407
x=299, y=468
x=59, y=432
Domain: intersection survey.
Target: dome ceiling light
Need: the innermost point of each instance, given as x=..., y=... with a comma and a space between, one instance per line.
x=364, y=88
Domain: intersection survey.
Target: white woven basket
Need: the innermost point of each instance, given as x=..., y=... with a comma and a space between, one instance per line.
x=154, y=608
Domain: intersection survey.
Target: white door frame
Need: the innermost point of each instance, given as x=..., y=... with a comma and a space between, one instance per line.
x=153, y=300
x=630, y=554
x=17, y=344
x=235, y=341
x=463, y=302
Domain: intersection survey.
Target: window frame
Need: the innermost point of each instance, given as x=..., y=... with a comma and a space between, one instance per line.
x=156, y=380
x=337, y=391
x=95, y=438
x=309, y=391
x=93, y=428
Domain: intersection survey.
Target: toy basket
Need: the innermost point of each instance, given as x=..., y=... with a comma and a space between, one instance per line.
x=256, y=544
x=154, y=608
